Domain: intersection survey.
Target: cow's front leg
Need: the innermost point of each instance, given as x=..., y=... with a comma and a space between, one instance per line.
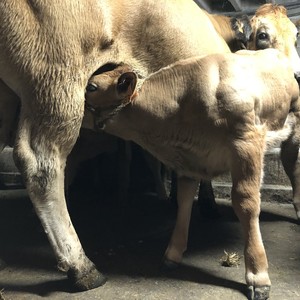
x=40, y=153
x=246, y=176
x=8, y=115
x=289, y=158
x=186, y=190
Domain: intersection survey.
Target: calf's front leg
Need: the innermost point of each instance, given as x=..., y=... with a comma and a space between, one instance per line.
x=186, y=190
x=246, y=179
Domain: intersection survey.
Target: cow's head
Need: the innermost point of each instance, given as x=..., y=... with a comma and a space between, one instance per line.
x=271, y=28
x=111, y=89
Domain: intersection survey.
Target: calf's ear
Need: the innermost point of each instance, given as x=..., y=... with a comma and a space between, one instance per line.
x=126, y=84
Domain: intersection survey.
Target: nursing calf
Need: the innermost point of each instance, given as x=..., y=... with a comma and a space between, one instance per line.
x=201, y=117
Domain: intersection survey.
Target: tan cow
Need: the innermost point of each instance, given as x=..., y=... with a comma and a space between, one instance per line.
x=48, y=51
x=202, y=117
x=271, y=31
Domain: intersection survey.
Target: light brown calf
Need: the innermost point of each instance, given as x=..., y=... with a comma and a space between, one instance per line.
x=201, y=117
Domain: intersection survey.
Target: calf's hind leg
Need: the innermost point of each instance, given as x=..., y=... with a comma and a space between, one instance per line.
x=246, y=178
x=40, y=153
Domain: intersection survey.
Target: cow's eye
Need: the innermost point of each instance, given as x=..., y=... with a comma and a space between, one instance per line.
x=263, y=36
x=91, y=87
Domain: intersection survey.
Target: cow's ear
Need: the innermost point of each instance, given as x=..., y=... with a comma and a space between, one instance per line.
x=126, y=84
x=242, y=29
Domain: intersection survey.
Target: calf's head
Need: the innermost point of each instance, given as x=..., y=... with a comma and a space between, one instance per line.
x=111, y=89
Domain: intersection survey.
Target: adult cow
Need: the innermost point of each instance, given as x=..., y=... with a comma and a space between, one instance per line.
x=47, y=53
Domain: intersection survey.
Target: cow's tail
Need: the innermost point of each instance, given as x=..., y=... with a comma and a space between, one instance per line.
x=274, y=138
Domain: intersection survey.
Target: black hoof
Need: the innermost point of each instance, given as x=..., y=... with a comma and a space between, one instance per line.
x=169, y=265
x=258, y=293
x=87, y=281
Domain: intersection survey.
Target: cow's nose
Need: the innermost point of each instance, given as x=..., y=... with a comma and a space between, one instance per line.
x=297, y=76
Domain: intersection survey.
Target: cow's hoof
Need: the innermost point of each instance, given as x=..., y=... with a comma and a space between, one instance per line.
x=258, y=293
x=169, y=265
x=2, y=264
x=86, y=281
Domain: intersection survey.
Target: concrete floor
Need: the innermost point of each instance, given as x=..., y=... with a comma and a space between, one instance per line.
x=128, y=244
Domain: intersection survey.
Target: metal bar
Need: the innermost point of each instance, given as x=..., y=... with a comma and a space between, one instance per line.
x=236, y=4
x=204, y=5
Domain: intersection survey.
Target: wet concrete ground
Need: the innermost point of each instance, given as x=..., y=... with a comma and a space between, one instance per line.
x=127, y=245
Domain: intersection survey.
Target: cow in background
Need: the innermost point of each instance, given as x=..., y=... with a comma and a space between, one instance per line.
x=270, y=27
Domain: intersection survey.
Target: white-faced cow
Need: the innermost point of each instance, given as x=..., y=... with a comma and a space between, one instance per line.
x=269, y=28
x=48, y=51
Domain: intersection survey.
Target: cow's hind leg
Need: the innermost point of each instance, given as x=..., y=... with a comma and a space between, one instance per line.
x=206, y=200
x=186, y=190
x=246, y=177
x=40, y=153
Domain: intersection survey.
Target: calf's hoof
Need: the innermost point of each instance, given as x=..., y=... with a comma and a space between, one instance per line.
x=86, y=281
x=169, y=265
x=258, y=293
